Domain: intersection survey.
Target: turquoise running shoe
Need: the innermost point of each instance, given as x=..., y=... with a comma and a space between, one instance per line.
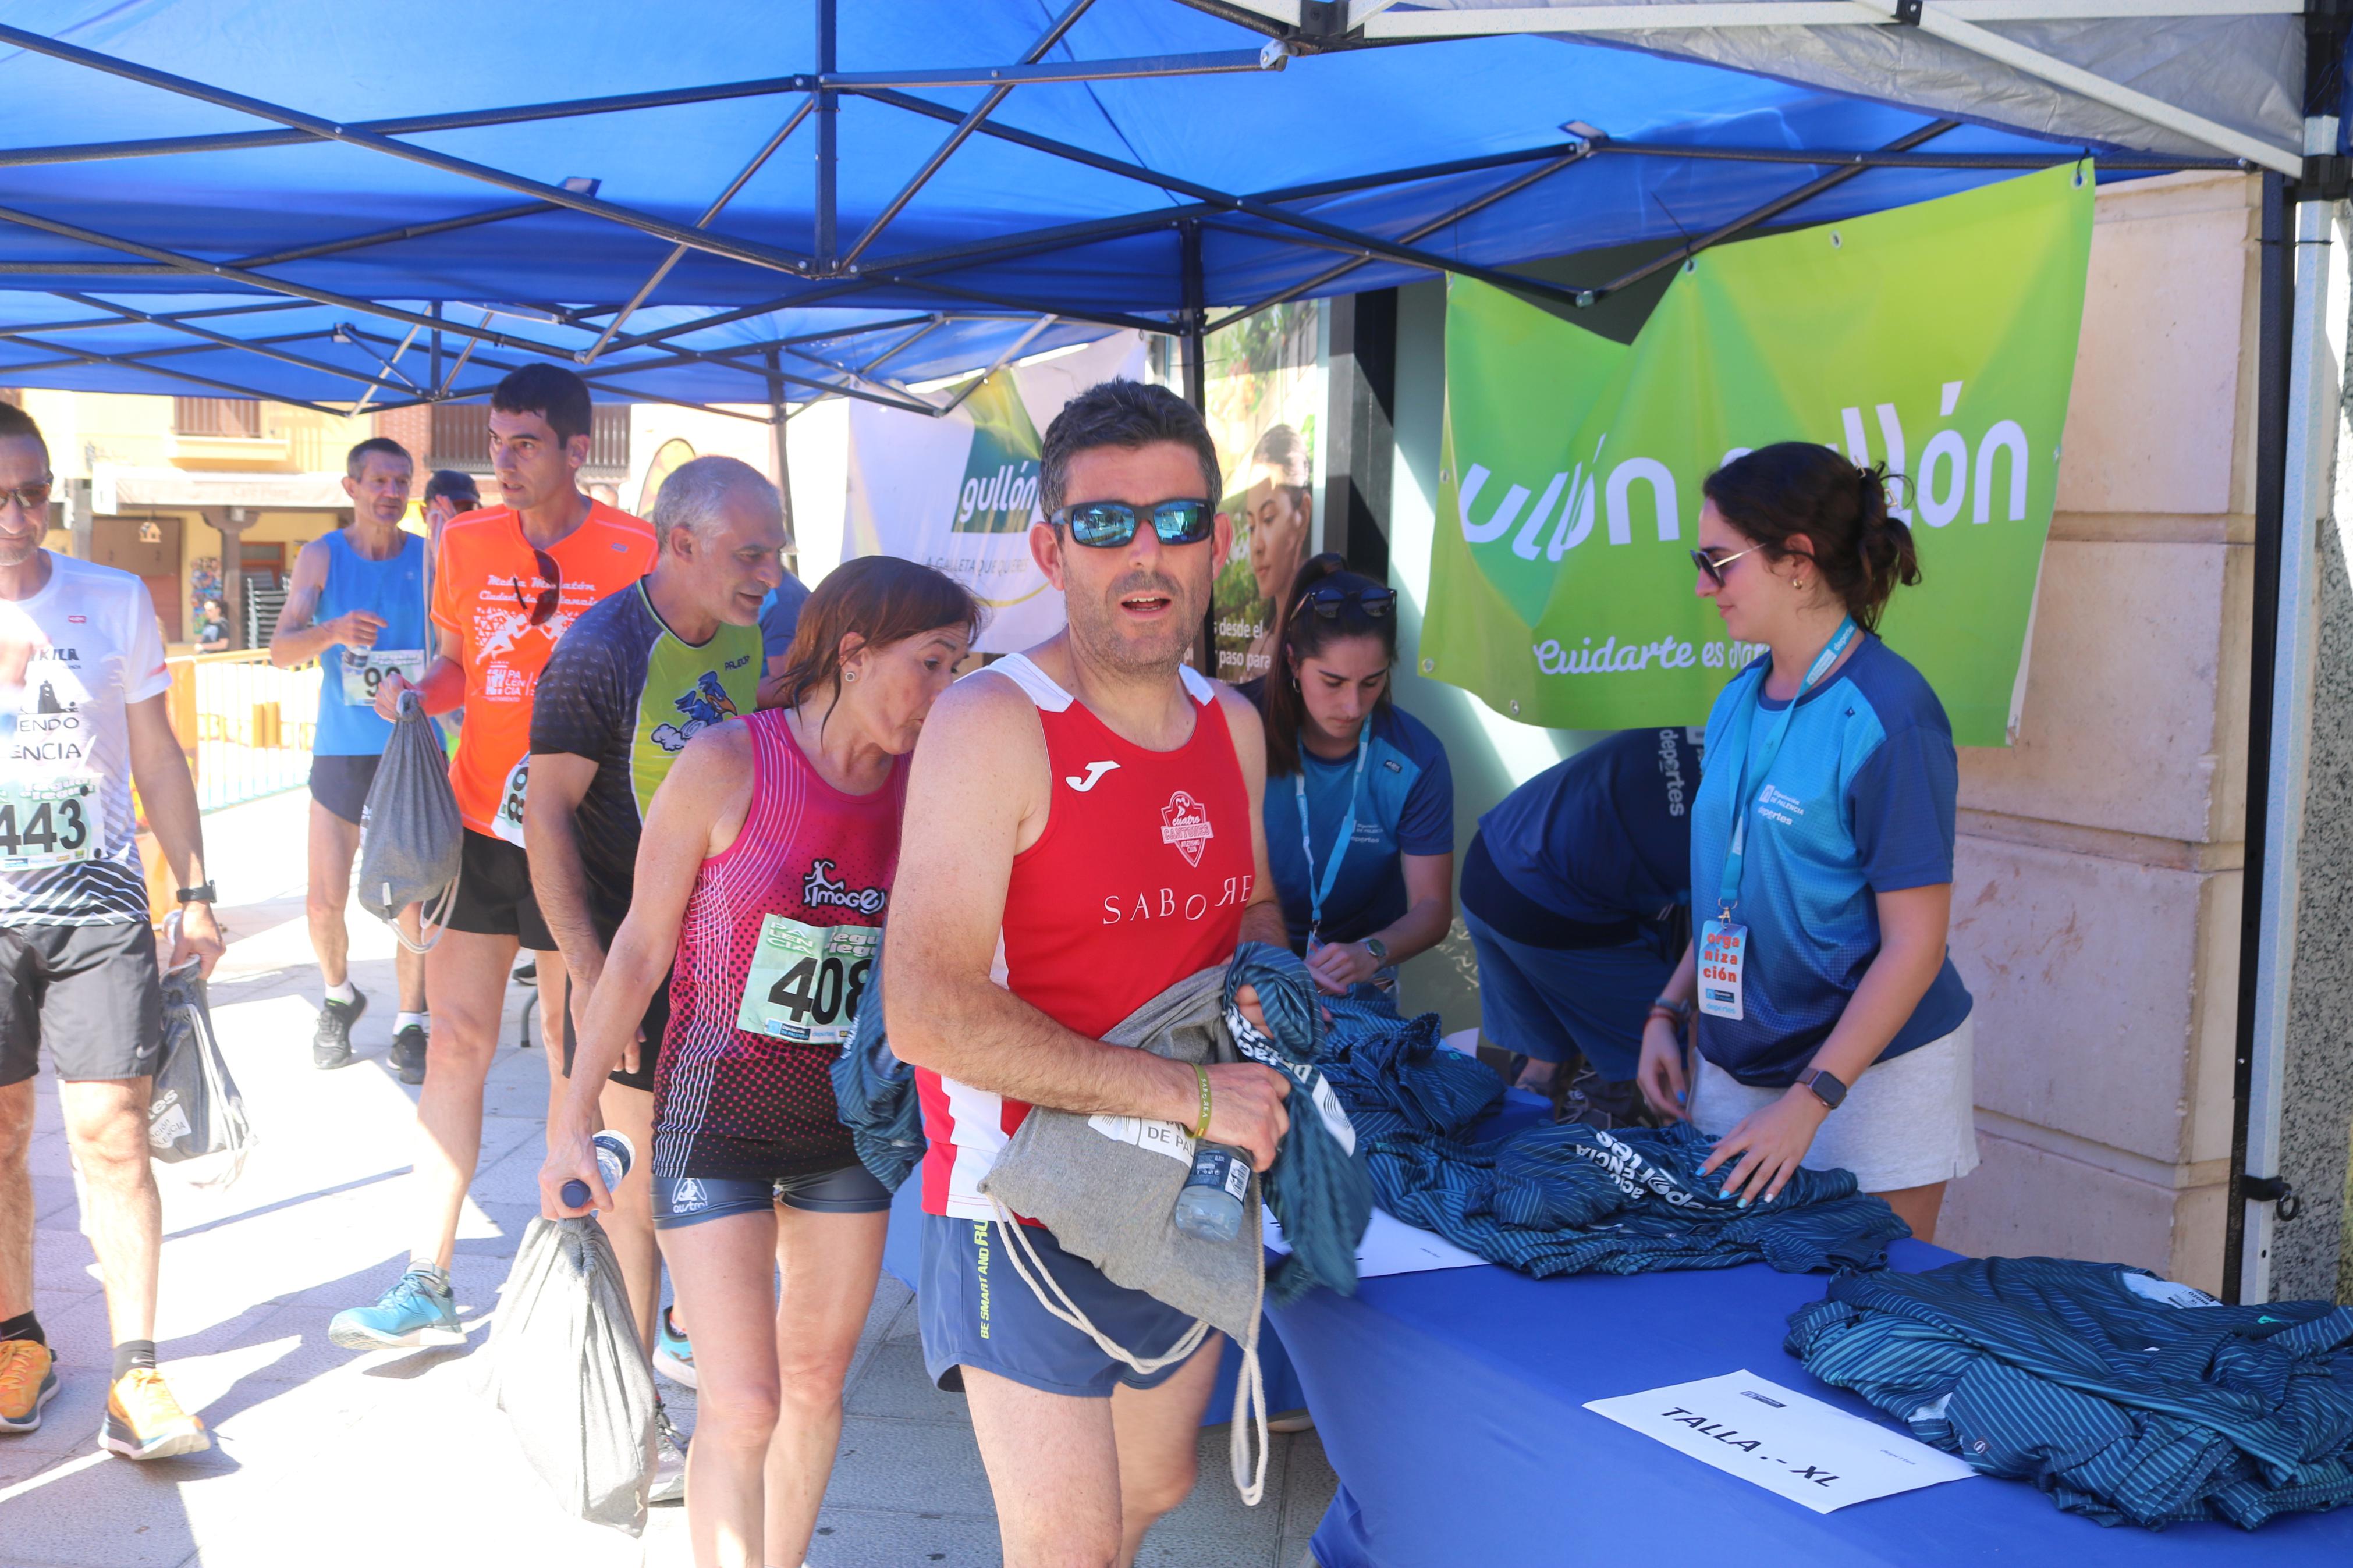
x=673, y=1352
x=418, y=1310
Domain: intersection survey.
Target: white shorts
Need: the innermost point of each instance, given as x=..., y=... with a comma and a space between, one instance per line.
x=1909, y=1123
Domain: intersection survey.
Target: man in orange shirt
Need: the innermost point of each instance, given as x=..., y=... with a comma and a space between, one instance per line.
x=510, y=579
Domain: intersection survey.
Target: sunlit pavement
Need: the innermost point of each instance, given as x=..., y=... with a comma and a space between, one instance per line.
x=323, y=1456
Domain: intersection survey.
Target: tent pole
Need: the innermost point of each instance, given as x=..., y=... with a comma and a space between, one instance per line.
x=433, y=376
x=783, y=462
x=829, y=116
x=2276, y=286
x=1196, y=370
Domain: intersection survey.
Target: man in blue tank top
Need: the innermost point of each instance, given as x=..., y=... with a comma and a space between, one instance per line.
x=357, y=605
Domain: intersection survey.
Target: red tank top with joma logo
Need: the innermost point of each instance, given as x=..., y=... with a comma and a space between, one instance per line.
x=1138, y=880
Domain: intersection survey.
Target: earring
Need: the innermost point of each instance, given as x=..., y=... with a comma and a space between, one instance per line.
x=848, y=675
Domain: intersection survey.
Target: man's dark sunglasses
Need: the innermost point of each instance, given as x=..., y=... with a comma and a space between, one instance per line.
x=1107, y=524
x=1326, y=599
x=544, y=606
x=33, y=497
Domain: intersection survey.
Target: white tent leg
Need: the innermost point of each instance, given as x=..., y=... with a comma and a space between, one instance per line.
x=2317, y=357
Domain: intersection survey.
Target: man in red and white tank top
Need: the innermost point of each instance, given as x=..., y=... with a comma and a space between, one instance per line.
x=1083, y=831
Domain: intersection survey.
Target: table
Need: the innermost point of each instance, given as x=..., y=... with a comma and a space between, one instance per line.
x=1450, y=1405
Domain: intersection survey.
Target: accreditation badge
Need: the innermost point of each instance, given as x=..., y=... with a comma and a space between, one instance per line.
x=1723, y=955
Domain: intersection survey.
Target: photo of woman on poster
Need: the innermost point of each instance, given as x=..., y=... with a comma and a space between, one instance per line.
x=1279, y=504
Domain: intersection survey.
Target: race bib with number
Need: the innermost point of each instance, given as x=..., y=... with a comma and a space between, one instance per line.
x=806, y=981
x=47, y=821
x=364, y=669
x=507, y=822
x=1723, y=954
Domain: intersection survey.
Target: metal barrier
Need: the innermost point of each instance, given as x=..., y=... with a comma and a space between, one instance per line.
x=248, y=727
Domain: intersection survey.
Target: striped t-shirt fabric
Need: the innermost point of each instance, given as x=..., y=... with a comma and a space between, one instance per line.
x=2125, y=1398
x=68, y=768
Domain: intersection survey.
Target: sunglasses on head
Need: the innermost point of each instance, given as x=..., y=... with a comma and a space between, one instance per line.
x=544, y=606
x=33, y=499
x=1326, y=600
x=1712, y=566
x=1107, y=524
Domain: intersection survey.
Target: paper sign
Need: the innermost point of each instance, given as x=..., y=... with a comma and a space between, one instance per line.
x=1390, y=1246
x=1815, y=1454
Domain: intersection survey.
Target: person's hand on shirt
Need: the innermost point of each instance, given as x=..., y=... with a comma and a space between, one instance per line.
x=1769, y=1143
x=1336, y=966
x=1660, y=1072
x=354, y=629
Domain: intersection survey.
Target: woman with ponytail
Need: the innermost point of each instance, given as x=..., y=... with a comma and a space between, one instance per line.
x=1359, y=810
x=1833, y=1028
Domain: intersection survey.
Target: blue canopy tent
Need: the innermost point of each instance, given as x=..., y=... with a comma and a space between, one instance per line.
x=1113, y=164
x=375, y=201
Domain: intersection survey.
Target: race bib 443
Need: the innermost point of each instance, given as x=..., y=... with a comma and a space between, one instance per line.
x=47, y=821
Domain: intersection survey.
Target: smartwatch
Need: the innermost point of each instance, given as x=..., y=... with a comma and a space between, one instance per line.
x=1376, y=947
x=202, y=893
x=1824, y=1088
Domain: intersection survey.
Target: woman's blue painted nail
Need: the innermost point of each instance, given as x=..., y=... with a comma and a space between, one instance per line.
x=1743, y=1203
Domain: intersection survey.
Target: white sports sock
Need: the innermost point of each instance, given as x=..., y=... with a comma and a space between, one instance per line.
x=345, y=993
x=422, y=1020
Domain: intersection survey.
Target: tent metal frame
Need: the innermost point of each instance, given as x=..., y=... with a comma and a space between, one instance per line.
x=832, y=274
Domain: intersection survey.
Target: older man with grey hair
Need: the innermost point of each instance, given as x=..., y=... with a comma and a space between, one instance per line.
x=630, y=683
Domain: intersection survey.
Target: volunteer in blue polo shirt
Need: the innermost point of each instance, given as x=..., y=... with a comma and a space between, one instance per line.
x=1575, y=889
x=1360, y=808
x=1833, y=1031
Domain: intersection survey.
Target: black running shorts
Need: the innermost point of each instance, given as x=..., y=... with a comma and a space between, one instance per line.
x=91, y=992
x=494, y=895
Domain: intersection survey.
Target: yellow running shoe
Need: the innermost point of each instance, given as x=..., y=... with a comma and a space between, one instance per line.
x=28, y=1380
x=145, y=1422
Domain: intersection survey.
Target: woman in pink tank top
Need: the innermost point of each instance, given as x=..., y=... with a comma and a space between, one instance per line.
x=763, y=882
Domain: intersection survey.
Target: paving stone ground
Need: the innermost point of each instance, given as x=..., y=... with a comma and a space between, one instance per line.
x=324, y=1457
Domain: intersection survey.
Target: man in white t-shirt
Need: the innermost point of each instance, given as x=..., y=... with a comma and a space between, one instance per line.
x=78, y=969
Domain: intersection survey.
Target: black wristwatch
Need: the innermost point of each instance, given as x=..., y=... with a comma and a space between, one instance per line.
x=1376, y=947
x=1824, y=1088
x=202, y=893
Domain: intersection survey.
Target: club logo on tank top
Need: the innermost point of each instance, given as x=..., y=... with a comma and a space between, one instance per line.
x=820, y=889
x=1185, y=823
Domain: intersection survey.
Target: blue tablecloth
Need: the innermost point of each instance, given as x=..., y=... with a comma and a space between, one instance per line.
x=1449, y=1403
x=902, y=1258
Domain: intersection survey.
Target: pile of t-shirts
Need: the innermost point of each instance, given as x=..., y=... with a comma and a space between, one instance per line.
x=2123, y=1397
x=1571, y=1199
x=1566, y=1199
x=1394, y=1075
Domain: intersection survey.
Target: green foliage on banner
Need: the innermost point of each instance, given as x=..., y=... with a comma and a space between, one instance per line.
x=1939, y=338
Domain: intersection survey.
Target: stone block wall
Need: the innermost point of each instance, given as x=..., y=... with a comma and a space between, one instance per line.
x=2097, y=883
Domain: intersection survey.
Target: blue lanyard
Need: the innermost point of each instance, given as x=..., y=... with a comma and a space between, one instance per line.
x=1318, y=893
x=1743, y=797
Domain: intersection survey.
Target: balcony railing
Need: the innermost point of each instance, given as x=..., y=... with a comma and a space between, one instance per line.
x=461, y=439
x=229, y=416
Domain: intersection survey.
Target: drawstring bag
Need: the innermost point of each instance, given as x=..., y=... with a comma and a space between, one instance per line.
x=1105, y=1187
x=195, y=1117
x=412, y=840
x=566, y=1366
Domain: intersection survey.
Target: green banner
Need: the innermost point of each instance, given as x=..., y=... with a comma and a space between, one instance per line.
x=1939, y=338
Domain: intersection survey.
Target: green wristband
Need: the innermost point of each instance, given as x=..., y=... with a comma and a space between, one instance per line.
x=1202, y=1073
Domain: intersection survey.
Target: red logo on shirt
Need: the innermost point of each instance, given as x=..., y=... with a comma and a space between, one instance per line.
x=79, y=620
x=1185, y=822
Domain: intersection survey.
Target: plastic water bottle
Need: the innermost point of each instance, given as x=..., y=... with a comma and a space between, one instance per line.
x=1209, y=1204
x=614, y=1155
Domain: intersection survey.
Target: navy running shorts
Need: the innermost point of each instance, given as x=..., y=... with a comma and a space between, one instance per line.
x=341, y=784
x=691, y=1200
x=978, y=1310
